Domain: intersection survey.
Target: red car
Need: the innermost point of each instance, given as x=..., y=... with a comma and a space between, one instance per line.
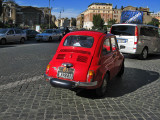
x=85, y=59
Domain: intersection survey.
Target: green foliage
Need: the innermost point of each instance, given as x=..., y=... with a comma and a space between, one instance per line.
x=46, y=26
x=111, y=22
x=98, y=22
x=154, y=23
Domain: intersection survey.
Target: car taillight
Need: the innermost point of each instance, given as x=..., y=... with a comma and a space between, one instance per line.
x=110, y=30
x=90, y=75
x=137, y=35
x=47, y=69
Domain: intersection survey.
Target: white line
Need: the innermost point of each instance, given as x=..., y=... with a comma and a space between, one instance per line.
x=14, y=84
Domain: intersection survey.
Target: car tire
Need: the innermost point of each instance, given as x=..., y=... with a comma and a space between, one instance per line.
x=3, y=41
x=121, y=72
x=22, y=40
x=144, y=54
x=101, y=91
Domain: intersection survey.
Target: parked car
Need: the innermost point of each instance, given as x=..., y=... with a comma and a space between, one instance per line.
x=30, y=33
x=85, y=59
x=137, y=39
x=49, y=35
x=11, y=35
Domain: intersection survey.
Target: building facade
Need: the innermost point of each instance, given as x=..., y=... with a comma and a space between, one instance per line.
x=104, y=9
x=117, y=15
x=25, y=16
x=146, y=13
x=80, y=21
x=107, y=13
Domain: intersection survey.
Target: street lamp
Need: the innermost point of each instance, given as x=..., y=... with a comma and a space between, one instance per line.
x=49, y=14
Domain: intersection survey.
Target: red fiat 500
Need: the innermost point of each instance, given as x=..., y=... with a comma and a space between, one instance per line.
x=85, y=59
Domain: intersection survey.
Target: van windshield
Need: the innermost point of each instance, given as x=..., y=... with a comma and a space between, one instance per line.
x=123, y=30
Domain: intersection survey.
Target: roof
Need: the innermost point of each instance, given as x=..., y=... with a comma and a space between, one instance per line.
x=99, y=4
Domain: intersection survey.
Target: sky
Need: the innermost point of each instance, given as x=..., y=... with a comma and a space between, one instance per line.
x=72, y=8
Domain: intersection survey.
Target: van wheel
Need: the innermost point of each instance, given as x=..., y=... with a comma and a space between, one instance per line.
x=3, y=42
x=22, y=40
x=101, y=91
x=144, y=54
x=121, y=70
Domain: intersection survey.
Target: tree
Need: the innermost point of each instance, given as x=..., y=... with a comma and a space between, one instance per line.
x=122, y=7
x=111, y=22
x=154, y=23
x=116, y=7
x=98, y=22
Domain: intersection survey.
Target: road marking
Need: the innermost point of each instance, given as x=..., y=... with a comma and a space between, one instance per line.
x=14, y=84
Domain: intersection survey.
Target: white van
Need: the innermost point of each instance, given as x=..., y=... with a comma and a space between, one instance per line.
x=137, y=39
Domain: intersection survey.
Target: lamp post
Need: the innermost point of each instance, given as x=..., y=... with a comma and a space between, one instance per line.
x=49, y=14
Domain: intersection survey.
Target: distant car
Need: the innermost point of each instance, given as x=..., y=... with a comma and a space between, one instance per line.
x=11, y=35
x=49, y=35
x=30, y=33
x=85, y=59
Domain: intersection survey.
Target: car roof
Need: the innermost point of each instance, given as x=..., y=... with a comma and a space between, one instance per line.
x=135, y=25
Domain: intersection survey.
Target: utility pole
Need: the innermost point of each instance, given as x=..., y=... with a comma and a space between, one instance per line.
x=49, y=14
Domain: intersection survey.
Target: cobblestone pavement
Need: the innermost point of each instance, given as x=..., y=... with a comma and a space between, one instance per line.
x=25, y=95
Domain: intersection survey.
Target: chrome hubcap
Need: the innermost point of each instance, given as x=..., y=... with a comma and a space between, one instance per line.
x=144, y=53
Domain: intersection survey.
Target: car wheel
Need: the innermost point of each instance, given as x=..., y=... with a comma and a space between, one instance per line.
x=121, y=70
x=101, y=91
x=3, y=41
x=144, y=54
x=22, y=40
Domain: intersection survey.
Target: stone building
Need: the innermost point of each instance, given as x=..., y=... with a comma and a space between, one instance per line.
x=117, y=15
x=62, y=22
x=25, y=16
x=80, y=21
x=104, y=9
x=146, y=13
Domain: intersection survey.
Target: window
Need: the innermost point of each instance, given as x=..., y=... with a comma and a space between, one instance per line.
x=11, y=32
x=106, y=46
x=18, y=31
x=114, y=43
x=123, y=30
x=79, y=41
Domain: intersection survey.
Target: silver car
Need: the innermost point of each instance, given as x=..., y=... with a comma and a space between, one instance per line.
x=11, y=35
x=49, y=35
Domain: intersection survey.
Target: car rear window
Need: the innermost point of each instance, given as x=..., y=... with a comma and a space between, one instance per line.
x=79, y=41
x=123, y=30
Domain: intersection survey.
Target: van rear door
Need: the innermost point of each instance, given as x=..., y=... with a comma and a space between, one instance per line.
x=126, y=37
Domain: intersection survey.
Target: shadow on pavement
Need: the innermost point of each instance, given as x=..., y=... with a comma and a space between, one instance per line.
x=150, y=56
x=132, y=80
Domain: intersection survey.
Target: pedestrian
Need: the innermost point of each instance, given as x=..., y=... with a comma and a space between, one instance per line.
x=67, y=30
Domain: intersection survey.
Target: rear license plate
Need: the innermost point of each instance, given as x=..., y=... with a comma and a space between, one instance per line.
x=66, y=73
x=122, y=40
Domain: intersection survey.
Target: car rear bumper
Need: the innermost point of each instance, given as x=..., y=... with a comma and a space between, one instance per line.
x=68, y=84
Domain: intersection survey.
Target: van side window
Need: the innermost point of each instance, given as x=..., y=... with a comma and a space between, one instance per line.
x=114, y=43
x=106, y=46
x=11, y=32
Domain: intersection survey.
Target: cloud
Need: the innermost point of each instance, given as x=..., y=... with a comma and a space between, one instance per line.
x=67, y=13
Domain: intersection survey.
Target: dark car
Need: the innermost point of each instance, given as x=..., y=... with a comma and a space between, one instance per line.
x=86, y=59
x=30, y=33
